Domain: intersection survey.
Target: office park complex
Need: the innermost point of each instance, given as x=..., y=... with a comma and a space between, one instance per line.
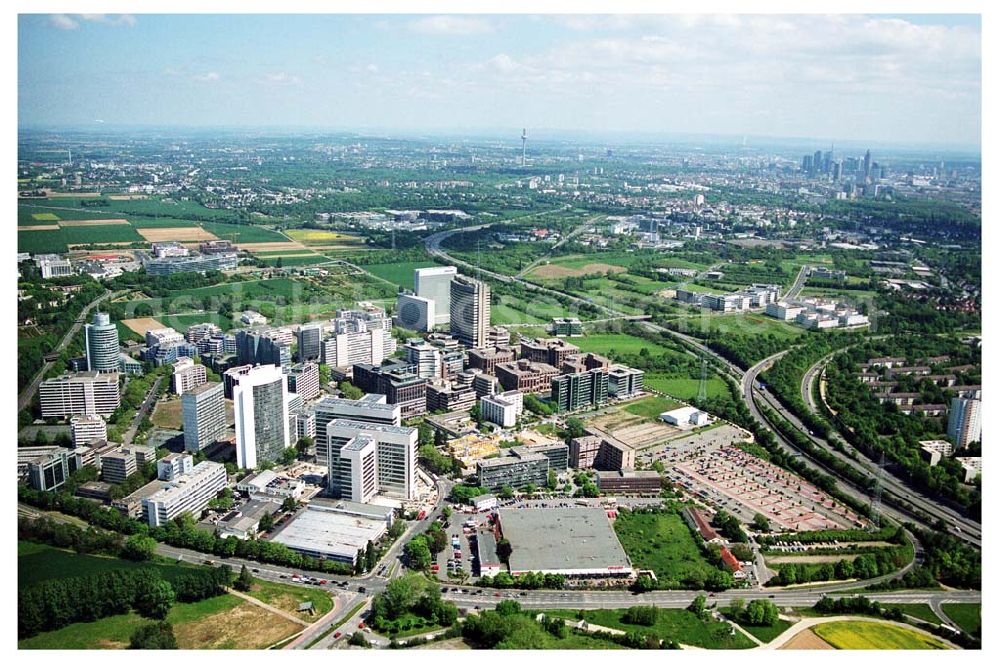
x=313, y=389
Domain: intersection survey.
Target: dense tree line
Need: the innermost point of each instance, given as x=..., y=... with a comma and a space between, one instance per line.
x=529, y=580
x=180, y=532
x=412, y=594
x=881, y=561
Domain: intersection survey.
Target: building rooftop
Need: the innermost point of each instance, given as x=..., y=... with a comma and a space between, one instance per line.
x=576, y=539
x=329, y=533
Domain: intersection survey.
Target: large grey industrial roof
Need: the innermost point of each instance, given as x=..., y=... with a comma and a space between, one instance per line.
x=556, y=539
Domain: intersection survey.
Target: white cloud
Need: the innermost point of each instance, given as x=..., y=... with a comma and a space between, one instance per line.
x=207, y=77
x=371, y=68
x=63, y=22
x=451, y=25
x=281, y=78
x=119, y=19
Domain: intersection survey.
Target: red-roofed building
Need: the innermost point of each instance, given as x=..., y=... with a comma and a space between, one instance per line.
x=730, y=560
x=701, y=525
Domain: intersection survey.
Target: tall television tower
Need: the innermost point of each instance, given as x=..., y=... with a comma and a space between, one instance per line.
x=524, y=143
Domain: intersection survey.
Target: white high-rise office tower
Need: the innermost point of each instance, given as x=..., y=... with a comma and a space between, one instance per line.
x=964, y=421
x=260, y=407
x=435, y=284
x=101, y=341
x=204, y=415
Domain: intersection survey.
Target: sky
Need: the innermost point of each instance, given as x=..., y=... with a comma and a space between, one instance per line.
x=903, y=79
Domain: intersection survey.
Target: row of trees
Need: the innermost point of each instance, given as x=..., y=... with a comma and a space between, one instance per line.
x=181, y=532
x=411, y=594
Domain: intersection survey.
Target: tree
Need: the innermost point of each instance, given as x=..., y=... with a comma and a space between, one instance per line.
x=418, y=554
x=506, y=492
x=358, y=640
x=155, y=599
x=697, y=606
x=244, y=581
x=158, y=635
x=266, y=523
x=289, y=504
x=504, y=550
x=761, y=612
x=350, y=391
x=371, y=556
x=508, y=607
x=139, y=548
x=574, y=428
x=552, y=481
x=289, y=454
x=476, y=413
x=304, y=444
x=761, y=523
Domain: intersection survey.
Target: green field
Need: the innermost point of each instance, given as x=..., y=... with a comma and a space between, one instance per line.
x=967, y=615
x=37, y=563
x=767, y=633
x=44, y=217
x=739, y=324
x=58, y=241
x=538, y=310
x=873, y=635
x=663, y=543
x=181, y=322
x=161, y=222
x=672, y=624
x=684, y=388
x=303, y=260
x=398, y=273
x=916, y=610
x=651, y=407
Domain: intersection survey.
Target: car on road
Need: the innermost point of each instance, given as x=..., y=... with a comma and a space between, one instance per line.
x=362, y=589
x=336, y=635
x=496, y=595
x=255, y=570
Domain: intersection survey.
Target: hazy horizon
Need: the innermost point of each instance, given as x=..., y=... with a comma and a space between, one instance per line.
x=848, y=79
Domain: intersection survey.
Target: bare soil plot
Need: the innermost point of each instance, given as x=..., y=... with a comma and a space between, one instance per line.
x=127, y=197
x=552, y=271
x=167, y=414
x=142, y=325
x=806, y=640
x=88, y=244
x=809, y=558
x=42, y=227
x=167, y=234
x=245, y=626
x=271, y=246
x=92, y=222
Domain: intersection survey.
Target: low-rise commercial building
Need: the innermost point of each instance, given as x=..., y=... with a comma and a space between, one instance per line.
x=629, y=482
x=526, y=376
x=187, y=493
x=513, y=471
x=503, y=409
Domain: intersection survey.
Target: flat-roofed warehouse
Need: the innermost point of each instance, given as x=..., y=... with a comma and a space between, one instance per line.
x=576, y=542
x=326, y=534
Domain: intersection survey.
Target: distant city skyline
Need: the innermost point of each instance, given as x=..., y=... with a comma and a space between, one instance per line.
x=848, y=78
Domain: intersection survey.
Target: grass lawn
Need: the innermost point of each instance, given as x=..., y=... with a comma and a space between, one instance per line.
x=916, y=610
x=398, y=273
x=299, y=260
x=684, y=388
x=967, y=615
x=662, y=542
x=651, y=407
x=604, y=343
x=287, y=597
x=873, y=635
x=244, y=233
x=672, y=624
x=739, y=324
x=763, y=633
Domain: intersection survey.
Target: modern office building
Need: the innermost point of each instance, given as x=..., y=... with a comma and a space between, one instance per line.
x=262, y=347
x=629, y=482
x=549, y=351
x=188, y=375
x=624, y=382
x=101, y=342
x=188, y=492
x=44, y=468
x=84, y=429
x=556, y=452
x=487, y=359
x=89, y=393
x=358, y=469
x=580, y=390
x=55, y=267
x=203, y=410
x=470, y=311
x=260, y=407
x=513, y=471
x=396, y=456
x=434, y=284
x=567, y=327
x=502, y=409
x=415, y=313
x=117, y=466
x=398, y=382
x=194, y=263
x=964, y=424
x=425, y=357
x=596, y=452
x=303, y=380
x=526, y=376
x=309, y=337
x=457, y=395
x=173, y=466
x=359, y=336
